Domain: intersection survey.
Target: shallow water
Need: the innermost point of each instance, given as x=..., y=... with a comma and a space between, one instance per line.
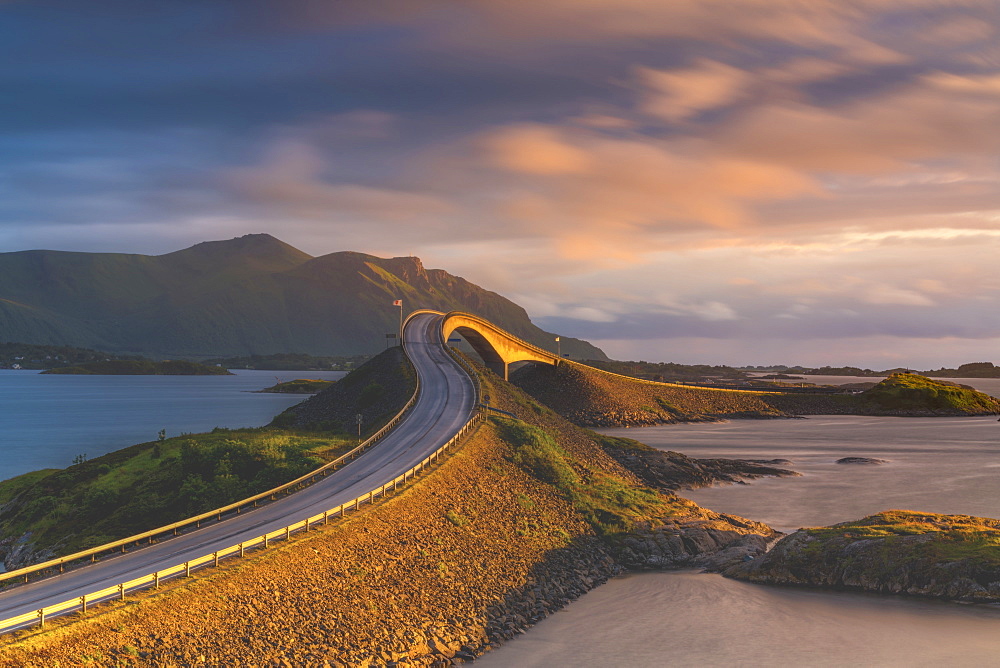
x=693, y=619
x=947, y=465
x=944, y=465
x=47, y=420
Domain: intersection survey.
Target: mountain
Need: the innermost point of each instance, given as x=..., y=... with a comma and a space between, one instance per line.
x=254, y=295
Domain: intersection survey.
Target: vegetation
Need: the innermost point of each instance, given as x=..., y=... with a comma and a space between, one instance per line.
x=947, y=538
x=142, y=368
x=291, y=362
x=971, y=370
x=910, y=392
x=299, y=386
x=31, y=356
x=376, y=390
x=156, y=483
x=610, y=504
x=668, y=371
x=896, y=551
x=254, y=295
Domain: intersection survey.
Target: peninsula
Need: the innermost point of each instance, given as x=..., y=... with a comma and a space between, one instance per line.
x=140, y=368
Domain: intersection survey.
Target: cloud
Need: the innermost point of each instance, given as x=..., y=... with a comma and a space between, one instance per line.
x=679, y=94
x=887, y=294
x=535, y=150
x=290, y=180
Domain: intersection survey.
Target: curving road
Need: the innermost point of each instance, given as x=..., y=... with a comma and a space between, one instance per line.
x=445, y=404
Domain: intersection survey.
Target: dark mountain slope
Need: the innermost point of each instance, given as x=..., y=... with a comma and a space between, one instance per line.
x=251, y=295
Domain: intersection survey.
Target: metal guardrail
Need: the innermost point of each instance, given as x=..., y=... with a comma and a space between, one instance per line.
x=154, y=579
x=665, y=384
x=118, y=591
x=173, y=529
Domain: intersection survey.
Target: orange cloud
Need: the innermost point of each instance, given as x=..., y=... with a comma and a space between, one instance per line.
x=534, y=149
x=678, y=94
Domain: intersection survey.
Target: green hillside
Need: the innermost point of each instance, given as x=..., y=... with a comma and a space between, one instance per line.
x=254, y=295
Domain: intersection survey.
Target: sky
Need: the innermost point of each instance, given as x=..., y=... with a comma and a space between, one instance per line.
x=810, y=182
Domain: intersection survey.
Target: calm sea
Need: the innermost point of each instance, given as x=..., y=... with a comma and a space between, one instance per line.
x=948, y=465
x=47, y=420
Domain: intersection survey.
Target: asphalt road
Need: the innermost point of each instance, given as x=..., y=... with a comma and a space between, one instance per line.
x=445, y=404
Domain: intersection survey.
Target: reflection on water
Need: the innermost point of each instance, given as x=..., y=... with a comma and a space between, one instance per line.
x=947, y=465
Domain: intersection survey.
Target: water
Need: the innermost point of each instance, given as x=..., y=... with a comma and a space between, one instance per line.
x=692, y=619
x=50, y=419
x=946, y=465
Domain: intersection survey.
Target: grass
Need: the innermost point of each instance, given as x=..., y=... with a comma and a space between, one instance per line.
x=14, y=486
x=610, y=504
x=949, y=537
x=907, y=391
x=457, y=519
x=156, y=483
x=300, y=386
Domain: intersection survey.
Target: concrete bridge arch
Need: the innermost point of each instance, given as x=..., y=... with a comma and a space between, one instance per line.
x=498, y=348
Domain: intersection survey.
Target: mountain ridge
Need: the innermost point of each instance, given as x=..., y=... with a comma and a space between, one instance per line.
x=254, y=294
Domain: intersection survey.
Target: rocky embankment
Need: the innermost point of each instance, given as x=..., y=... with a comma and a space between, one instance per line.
x=470, y=556
x=668, y=470
x=895, y=552
x=590, y=397
x=375, y=390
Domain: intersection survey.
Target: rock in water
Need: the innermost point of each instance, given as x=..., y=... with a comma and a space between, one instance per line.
x=862, y=460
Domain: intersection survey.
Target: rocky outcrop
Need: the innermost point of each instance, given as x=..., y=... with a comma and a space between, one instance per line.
x=864, y=461
x=20, y=551
x=708, y=540
x=896, y=552
x=673, y=470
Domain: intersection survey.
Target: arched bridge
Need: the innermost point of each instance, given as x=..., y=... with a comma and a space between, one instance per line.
x=498, y=348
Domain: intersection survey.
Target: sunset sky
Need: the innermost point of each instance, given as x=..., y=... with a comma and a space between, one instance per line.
x=719, y=181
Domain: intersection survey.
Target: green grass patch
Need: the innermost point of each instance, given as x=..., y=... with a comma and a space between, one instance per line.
x=14, y=486
x=610, y=504
x=907, y=391
x=156, y=483
x=950, y=537
x=457, y=519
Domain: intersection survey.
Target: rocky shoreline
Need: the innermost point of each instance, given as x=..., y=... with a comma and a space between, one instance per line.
x=951, y=557
x=668, y=470
x=469, y=557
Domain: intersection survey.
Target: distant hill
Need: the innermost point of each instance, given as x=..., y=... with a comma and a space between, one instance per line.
x=254, y=295
x=31, y=356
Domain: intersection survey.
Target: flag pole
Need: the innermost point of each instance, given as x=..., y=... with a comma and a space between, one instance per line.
x=399, y=303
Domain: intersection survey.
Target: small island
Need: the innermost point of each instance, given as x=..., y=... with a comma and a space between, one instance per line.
x=141, y=368
x=299, y=386
x=954, y=557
